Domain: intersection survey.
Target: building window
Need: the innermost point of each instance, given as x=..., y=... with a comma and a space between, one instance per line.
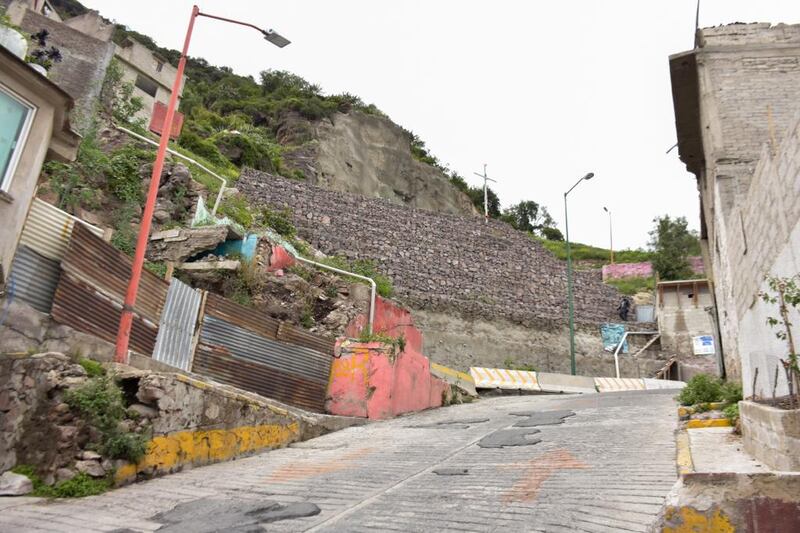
x=146, y=85
x=15, y=122
x=159, y=66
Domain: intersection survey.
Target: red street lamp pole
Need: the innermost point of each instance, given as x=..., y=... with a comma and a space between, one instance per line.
x=126, y=319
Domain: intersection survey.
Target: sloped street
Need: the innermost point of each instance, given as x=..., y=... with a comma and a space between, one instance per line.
x=607, y=468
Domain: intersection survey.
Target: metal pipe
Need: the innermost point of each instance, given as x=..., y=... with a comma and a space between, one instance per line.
x=189, y=159
x=372, y=284
x=621, y=342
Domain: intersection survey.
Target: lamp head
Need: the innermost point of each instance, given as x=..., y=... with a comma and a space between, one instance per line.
x=275, y=38
x=605, y=209
x=589, y=176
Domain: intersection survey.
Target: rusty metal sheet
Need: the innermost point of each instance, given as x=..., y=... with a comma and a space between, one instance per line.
x=246, y=345
x=237, y=356
x=48, y=229
x=99, y=264
x=239, y=315
x=34, y=278
x=176, y=328
x=81, y=307
x=295, y=335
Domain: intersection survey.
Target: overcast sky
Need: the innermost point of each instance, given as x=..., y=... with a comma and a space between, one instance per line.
x=542, y=92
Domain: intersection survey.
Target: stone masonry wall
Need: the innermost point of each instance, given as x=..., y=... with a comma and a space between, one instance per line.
x=439, y=261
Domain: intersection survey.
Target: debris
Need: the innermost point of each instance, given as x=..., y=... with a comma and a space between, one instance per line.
x=178, y=245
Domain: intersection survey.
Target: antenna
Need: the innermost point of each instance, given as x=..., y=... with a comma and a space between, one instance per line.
x=486, y=178
x=696, y=23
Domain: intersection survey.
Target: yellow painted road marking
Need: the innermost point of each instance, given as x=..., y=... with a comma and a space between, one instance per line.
x=711, y=423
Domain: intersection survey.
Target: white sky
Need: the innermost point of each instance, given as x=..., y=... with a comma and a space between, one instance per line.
x=542, y=92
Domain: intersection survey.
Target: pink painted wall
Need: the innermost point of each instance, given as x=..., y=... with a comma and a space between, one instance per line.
x=369, y=380
x=643, y=270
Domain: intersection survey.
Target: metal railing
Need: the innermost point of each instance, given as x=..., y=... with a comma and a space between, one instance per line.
x=622, y=341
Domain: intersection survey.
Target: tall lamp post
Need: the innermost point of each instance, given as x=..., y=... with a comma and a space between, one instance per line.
x=126, y=318
x=610, y=234
x=588, y=176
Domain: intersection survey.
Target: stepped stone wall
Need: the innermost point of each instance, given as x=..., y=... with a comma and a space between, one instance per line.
x=439, y=261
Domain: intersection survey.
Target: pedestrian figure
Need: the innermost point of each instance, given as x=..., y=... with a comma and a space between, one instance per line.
x=623, y=308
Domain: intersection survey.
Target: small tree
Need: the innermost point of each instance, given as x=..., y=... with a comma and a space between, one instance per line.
x=528, y=216
x=673, y=243
x=785, y=293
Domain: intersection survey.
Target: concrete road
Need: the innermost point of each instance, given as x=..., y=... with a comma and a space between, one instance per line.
x=462, y=468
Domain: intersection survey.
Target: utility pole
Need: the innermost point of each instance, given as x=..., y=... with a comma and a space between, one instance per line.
x=610, y=233
x=486, y=179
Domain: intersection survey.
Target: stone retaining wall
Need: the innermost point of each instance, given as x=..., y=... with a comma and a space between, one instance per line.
x=439, y=261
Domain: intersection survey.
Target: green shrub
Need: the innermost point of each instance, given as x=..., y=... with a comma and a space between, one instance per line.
x=123, y=173
x=124, y=236
x=363, y=267
x=205, y=149
x=237, y=209
x=79, y=486
x=92, y=368
x=632, y=285
x=731, y=392
x=100, y=402
x=280, y=221
x=702, y=388
x=249, y=149
x=159, y=269
x=731, y=412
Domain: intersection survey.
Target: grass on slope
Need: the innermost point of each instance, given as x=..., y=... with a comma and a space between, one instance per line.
x=584, y=252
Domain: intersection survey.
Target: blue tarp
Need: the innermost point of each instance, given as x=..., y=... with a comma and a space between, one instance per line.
x=245, y=248
x=612, y=334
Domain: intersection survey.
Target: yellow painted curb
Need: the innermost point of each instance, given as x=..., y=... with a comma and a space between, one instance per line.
x=684, y=455
x=684, y=410
x=453, y=373
x=712, y=423
x=169, y=453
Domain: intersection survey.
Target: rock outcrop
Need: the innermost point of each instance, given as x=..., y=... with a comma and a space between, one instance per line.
x=368, y=155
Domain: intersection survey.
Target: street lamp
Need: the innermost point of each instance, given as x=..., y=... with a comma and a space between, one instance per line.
x=126, y=318
x=610, y=234
x=588, y=176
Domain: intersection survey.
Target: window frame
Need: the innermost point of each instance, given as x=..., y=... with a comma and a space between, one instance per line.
x=22, y=139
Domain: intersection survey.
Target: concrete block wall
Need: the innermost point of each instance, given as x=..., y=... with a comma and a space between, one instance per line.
x=439, y=261
x=83, y=67
x=771, y=435
x=747, y=84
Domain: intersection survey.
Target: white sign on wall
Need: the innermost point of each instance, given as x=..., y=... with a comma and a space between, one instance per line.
x=703, y=345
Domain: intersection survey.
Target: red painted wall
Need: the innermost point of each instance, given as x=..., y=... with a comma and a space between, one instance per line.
x=369, y=380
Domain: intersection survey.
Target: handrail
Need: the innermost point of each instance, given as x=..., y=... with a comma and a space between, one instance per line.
x=622, y=341
x=185, y=158
x=353, y=274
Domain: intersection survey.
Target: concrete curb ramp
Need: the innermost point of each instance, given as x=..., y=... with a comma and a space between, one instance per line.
x=500, y=378
x=458, y=379
x=566, y=383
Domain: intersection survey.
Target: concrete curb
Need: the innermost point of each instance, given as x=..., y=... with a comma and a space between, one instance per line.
x=460, y=380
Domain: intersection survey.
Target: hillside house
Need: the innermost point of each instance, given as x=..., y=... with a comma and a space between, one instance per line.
x=34, y=127
x=736, y=99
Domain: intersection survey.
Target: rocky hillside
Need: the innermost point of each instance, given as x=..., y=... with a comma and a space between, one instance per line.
x=369, y=155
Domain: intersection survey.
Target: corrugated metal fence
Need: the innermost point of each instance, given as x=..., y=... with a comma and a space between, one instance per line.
x=236, y=345
x=43, y=243
x=240, y=347
x=176, y=328
x=92, y=288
